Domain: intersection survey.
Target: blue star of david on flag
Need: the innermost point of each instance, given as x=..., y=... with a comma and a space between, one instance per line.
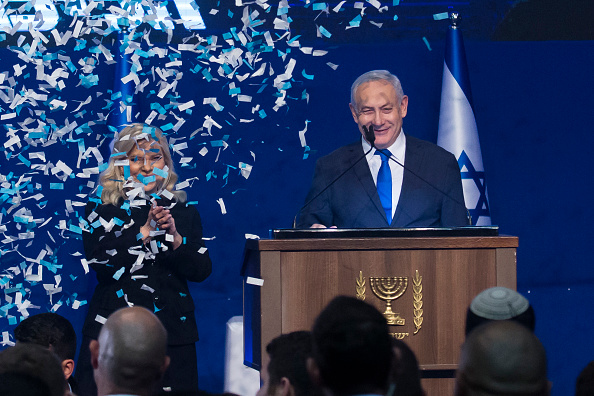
x=475, y=189
x=457, y=126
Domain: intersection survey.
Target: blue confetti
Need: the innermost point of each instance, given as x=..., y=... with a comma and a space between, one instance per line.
x=75, y=229
x=147, y=180
x=356, y=21
x=324, y=32
x=440, y=16
x=37, y=135
x=50, y=266
x=160, y=172
x=206, y=75
x=427, y=43
x=89, y=81
x=119, y=272
x=308, y=76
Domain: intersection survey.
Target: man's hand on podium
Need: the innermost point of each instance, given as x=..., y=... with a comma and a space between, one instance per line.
x=318, y=225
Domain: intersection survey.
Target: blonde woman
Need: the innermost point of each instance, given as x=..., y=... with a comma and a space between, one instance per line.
x=144, y=243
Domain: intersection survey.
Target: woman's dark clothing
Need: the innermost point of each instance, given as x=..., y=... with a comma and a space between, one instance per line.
x=153, y=276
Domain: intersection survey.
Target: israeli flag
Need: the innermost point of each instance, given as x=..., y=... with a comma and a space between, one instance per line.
x=457, y=127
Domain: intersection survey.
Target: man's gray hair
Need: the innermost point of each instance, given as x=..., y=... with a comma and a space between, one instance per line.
x=376, y=75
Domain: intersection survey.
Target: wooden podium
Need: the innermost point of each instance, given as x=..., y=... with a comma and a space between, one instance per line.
x=443, y=274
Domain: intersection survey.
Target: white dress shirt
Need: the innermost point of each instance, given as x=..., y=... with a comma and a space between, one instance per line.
x=398, y=149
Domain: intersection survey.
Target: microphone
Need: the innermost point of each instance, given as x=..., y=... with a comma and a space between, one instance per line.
x=370, y=137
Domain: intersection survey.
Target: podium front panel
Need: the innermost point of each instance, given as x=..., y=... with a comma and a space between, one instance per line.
x=436, y=278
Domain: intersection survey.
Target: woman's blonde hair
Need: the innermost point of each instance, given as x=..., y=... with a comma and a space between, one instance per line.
x=112, y=179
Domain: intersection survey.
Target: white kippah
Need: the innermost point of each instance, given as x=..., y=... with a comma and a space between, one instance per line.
x=499, y=303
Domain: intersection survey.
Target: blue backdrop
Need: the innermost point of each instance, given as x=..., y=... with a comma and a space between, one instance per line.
x=532, y=102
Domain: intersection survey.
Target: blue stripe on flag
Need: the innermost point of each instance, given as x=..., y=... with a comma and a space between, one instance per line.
x=455, y=58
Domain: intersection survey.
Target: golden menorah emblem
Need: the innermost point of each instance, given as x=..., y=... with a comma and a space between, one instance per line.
x=389, y=289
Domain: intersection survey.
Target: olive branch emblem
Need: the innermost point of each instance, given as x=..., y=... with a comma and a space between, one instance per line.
x=361, y=286
x=417, y=301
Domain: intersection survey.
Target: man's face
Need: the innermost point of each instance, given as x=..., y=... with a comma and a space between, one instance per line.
x=269, y=389
x=378, y=106
x=265, y=383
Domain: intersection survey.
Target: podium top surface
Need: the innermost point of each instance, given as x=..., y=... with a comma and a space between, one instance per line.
x=383, y=239
x=317, y=233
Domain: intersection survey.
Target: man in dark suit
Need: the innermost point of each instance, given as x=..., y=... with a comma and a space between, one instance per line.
x=420, y=186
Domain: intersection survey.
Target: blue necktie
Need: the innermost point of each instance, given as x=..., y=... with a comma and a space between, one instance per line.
x=384, y=184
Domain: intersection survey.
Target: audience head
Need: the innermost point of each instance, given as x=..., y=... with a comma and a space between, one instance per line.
x=405, y=377
x=352, y=350
x=18, y=384
x=286, y=372
x=31, y=368
x=502, y=358
x=499, y=303
x=584, y=385
x=129, y=355
x=52, y=331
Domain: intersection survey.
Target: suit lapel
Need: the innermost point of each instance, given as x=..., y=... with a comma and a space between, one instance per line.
x=364, y=175
x=412, y=161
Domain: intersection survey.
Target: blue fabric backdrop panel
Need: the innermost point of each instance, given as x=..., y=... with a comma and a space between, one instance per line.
x=533, y=106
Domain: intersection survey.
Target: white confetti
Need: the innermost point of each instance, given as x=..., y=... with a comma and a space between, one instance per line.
x=222, y=205
x=254, y=281
x=185, y=106
x=6, y=339
x=245, y=169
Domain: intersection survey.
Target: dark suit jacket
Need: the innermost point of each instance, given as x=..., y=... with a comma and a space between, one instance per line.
x=431, y=193
x=161, y=284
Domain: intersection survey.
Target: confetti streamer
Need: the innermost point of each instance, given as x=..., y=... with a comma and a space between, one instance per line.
x=440, y=16
x=222, y=205
x=427, y=43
